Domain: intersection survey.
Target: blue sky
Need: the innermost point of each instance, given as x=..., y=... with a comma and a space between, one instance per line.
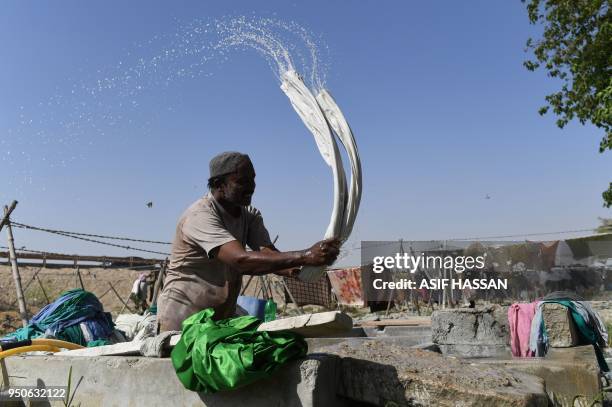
x=443, y=111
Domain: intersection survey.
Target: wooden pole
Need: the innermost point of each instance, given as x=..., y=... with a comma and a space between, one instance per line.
x=121, y=299
x=43, y=290
x=159, y=281
x=27, y=286
x=246, y=285
x=282, y=280
x=105, y=292
x=78, y=273
x=16, y=278
x=264, y=289
x=7, y=213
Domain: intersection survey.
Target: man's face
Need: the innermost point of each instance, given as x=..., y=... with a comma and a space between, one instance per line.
x=240, y=185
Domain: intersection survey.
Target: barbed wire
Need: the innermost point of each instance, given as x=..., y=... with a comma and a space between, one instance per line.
x=24, y=226
x=395, y=242
x=80, y=236
x=90, y=240
x=524, y=235
x=23, y=249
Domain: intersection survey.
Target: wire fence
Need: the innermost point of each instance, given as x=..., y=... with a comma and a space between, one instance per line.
x=87, y=237
x=82, y=236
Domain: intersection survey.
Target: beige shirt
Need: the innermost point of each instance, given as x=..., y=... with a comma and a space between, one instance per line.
x=195, y=279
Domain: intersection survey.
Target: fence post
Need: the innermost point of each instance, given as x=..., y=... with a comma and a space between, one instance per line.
x=13, y=257
x=159, y=281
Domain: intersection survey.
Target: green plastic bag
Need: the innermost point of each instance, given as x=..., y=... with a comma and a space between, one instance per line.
x=221, y=355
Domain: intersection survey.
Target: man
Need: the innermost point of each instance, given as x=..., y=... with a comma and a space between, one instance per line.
x=208, y=253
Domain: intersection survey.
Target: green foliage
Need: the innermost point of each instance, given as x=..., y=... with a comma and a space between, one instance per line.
x=70, y=397
x=605, y=227
x=575, y=47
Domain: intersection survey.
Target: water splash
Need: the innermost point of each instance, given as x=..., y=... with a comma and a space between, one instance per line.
x=86, y=113
x=277, y=41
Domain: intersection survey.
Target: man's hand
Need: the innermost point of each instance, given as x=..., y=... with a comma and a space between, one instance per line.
x=269, y=261
x=323, y=253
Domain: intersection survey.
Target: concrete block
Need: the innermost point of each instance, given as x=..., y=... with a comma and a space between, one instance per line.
x=137, y=381
x=560, y=327
x=382, y=374
x=470, y=326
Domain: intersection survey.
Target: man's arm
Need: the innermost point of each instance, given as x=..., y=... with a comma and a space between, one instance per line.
x=290, y=272
x=268, y=261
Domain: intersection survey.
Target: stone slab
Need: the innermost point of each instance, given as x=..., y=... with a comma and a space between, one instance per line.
x=131, y=348
x=312, y=325
x=118, y=381
x=382, y=374
x=560, y=326
x=470, y=326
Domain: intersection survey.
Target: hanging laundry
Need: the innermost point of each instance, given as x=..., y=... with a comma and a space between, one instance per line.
x=587, y=328
x=213, y=356
x=538, y=339
x=520, y=317
x=139, y=291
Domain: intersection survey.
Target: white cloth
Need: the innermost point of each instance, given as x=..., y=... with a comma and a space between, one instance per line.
x=323, y=118
x=153, y=347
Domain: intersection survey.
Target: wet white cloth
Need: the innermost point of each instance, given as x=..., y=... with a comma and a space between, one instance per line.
x=153, y=347
x=323, y=118
x=137, y=327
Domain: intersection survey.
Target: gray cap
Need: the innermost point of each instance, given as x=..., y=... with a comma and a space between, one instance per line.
x=226, y=163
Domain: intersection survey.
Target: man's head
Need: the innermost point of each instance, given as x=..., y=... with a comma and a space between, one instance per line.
x=232, y=178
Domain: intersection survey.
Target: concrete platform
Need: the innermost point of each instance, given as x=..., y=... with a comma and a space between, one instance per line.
x=382, y=374
x=366, y=371
x=122, y=381
x=423, y=332
x=317, y=344
x=338, y=372
x=567, y=373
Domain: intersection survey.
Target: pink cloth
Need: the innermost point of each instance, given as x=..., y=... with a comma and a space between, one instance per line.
x=519, y=319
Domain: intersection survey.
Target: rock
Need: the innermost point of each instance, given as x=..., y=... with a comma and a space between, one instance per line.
x=560, y=327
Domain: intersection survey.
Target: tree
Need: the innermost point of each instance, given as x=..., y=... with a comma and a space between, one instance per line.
x=606, y=225
x=576, y=47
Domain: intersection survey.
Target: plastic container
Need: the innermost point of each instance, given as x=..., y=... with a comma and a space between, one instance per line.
x=254, y=306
